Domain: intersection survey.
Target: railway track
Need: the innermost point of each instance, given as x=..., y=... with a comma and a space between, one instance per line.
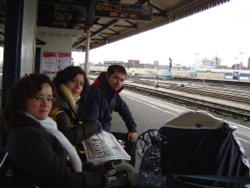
x=218, y=93
x=228, y=102
x=241, y=96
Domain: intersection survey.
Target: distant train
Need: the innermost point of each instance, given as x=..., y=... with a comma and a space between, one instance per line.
x=237, y=75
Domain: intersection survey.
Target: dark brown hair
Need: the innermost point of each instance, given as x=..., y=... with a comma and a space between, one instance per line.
x=22, y=90
x=67, y=74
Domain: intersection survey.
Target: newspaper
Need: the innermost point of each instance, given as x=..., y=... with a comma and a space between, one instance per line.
x=104, y=147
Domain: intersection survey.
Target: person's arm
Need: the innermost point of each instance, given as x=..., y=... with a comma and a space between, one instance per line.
x=124, y=111
x=36, y=154
x=76, y=133
x=91, y=108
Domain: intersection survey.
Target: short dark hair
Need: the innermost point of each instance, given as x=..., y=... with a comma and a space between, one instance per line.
x=22, y=90
x=116, y=68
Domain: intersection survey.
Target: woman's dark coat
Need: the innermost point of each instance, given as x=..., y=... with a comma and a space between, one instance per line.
x=67, y=122
x=40, y=157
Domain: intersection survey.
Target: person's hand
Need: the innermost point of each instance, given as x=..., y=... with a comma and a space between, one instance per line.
x=132, y=136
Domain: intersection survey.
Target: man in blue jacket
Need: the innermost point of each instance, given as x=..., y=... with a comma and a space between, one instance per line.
x=103, y=98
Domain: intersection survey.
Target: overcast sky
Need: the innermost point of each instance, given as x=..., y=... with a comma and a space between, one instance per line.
x=222, y=31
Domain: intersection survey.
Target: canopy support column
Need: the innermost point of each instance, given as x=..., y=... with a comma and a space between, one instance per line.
x=86, y=67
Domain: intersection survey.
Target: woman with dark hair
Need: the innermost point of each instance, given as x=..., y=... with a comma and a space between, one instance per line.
x=71, y=86
x=37, y=150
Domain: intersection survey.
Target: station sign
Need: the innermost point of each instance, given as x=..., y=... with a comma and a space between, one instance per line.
x=123, y=11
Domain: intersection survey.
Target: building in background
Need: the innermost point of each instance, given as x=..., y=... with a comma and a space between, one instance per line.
x=248, y=65
x=113, y=62
x=133, y=63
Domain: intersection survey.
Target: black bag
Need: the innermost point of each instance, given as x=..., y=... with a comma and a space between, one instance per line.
x=195, y=150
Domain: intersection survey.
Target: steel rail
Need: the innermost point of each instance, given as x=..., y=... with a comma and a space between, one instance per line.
x=193, y=101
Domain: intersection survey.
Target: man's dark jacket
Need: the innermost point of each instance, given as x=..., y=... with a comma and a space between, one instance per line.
x=101, y=101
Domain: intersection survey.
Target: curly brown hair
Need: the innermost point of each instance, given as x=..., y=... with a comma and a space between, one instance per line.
x=22, y=90
x=67, y=74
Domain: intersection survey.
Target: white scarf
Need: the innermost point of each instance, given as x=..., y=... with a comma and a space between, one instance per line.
x=51, y=127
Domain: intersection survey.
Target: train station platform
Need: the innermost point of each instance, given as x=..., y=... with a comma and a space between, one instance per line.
x=152, y=113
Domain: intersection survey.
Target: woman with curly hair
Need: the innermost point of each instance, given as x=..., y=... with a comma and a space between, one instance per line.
x=36, y=148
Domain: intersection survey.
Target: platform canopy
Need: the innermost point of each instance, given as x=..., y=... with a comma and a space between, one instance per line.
x=108, y=20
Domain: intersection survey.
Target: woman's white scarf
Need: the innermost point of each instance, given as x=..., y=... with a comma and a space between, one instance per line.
x=51, y=127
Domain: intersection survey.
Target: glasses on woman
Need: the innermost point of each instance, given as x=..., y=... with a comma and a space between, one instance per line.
x=42, y=98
